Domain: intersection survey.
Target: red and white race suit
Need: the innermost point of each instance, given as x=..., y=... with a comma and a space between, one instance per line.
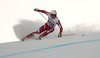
x=49, y=26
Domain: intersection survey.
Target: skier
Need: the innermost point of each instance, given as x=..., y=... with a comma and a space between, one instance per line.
x=48, y=27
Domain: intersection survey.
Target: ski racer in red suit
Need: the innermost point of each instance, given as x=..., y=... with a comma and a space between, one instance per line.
x=48, y=27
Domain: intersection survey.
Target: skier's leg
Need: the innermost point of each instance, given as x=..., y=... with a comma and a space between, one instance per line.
x=28, y=36
x=31, y=35
x=40, y=30
x=47, y=32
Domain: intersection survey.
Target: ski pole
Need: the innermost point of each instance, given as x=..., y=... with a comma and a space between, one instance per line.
x=43, y=16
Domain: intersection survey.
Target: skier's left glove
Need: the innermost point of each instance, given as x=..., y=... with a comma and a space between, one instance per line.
x=60, y=35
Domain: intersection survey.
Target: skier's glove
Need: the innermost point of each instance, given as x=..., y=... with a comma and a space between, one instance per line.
x=36, y=9
x=60, y=35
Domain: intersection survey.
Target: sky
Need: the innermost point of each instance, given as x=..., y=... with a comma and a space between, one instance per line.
x=83, y=15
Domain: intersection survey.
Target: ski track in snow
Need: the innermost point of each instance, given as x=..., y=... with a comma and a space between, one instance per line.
x=56, y=46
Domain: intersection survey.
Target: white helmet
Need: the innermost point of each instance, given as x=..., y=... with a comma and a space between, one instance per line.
x=53, y=12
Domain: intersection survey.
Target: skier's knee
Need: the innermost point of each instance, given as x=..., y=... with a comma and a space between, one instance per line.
x=52, y=29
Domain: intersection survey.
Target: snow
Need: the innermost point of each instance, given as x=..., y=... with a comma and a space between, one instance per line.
x=17, y=19
x=67, y=46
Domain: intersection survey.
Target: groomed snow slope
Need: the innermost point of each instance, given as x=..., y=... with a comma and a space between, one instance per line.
x=74, y=46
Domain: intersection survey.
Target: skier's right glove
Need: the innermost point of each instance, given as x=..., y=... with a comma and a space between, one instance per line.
x=36, y=9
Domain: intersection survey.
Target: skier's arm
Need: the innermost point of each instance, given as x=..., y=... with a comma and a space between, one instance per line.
x=61, y=28
x=43, y=11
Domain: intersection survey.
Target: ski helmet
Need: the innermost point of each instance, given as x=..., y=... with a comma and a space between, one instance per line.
x=53, y=12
